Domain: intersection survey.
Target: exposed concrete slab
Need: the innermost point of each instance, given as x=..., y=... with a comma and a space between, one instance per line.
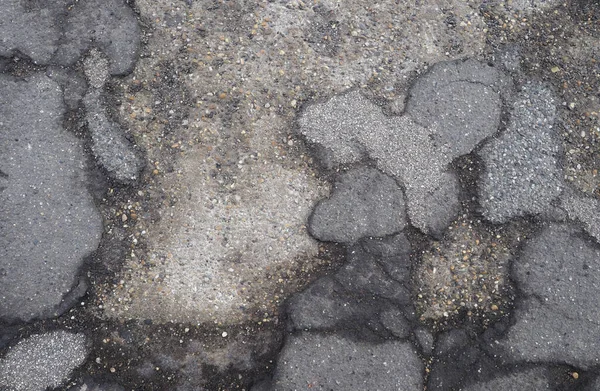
x=224, y=250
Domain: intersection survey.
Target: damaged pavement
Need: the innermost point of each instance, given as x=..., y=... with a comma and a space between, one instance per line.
x=289, y=195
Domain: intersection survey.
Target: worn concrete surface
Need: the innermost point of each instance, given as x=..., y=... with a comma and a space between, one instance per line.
x=283, y=185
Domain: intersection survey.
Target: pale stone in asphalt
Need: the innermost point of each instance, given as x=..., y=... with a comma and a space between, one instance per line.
x=42, y=361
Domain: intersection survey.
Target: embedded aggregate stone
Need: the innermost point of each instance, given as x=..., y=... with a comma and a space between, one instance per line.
x=460, y=101
x=467, y=270
x=227, y=250
x=557, y=320
x=364, y=202
x=522, y=175
x=48, y=221
x=109, y=25
x=42, y=361
x=334, y=363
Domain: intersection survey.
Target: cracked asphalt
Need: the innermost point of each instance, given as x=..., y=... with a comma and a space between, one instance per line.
x=290, y=195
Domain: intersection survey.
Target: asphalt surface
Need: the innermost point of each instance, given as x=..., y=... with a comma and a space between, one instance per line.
x=288, y=195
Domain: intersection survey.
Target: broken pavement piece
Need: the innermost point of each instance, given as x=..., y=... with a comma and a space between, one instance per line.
x=41, y=36
x=314, y=359
x=110, y=147
x=557, y=320
x=48, y=220
x=363, y=273
x=325, y=304
x=584, y=209
x=364, y=202
x=460, y=101
x=338, y=125
x=522, y=175
x=111, y=25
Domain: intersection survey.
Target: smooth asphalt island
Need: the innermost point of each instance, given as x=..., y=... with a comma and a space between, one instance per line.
x=289, y=195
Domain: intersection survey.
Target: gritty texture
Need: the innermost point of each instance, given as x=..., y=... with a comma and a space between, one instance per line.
x=42, y=361
x=112, y=150
x=522, y=173
x=214, y=93
x=48, y=221
x=467, y=271
x=216, y=249
x=339, y=125
x=584, y=209
x=335, y=363
x=532, y=379
x=557, y=321
x=526, y=6
x=108, y=24
x=401, y=148
x=364, y=202
x=450, y=110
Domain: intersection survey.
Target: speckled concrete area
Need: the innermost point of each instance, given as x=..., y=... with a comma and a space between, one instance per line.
x=289, y=195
